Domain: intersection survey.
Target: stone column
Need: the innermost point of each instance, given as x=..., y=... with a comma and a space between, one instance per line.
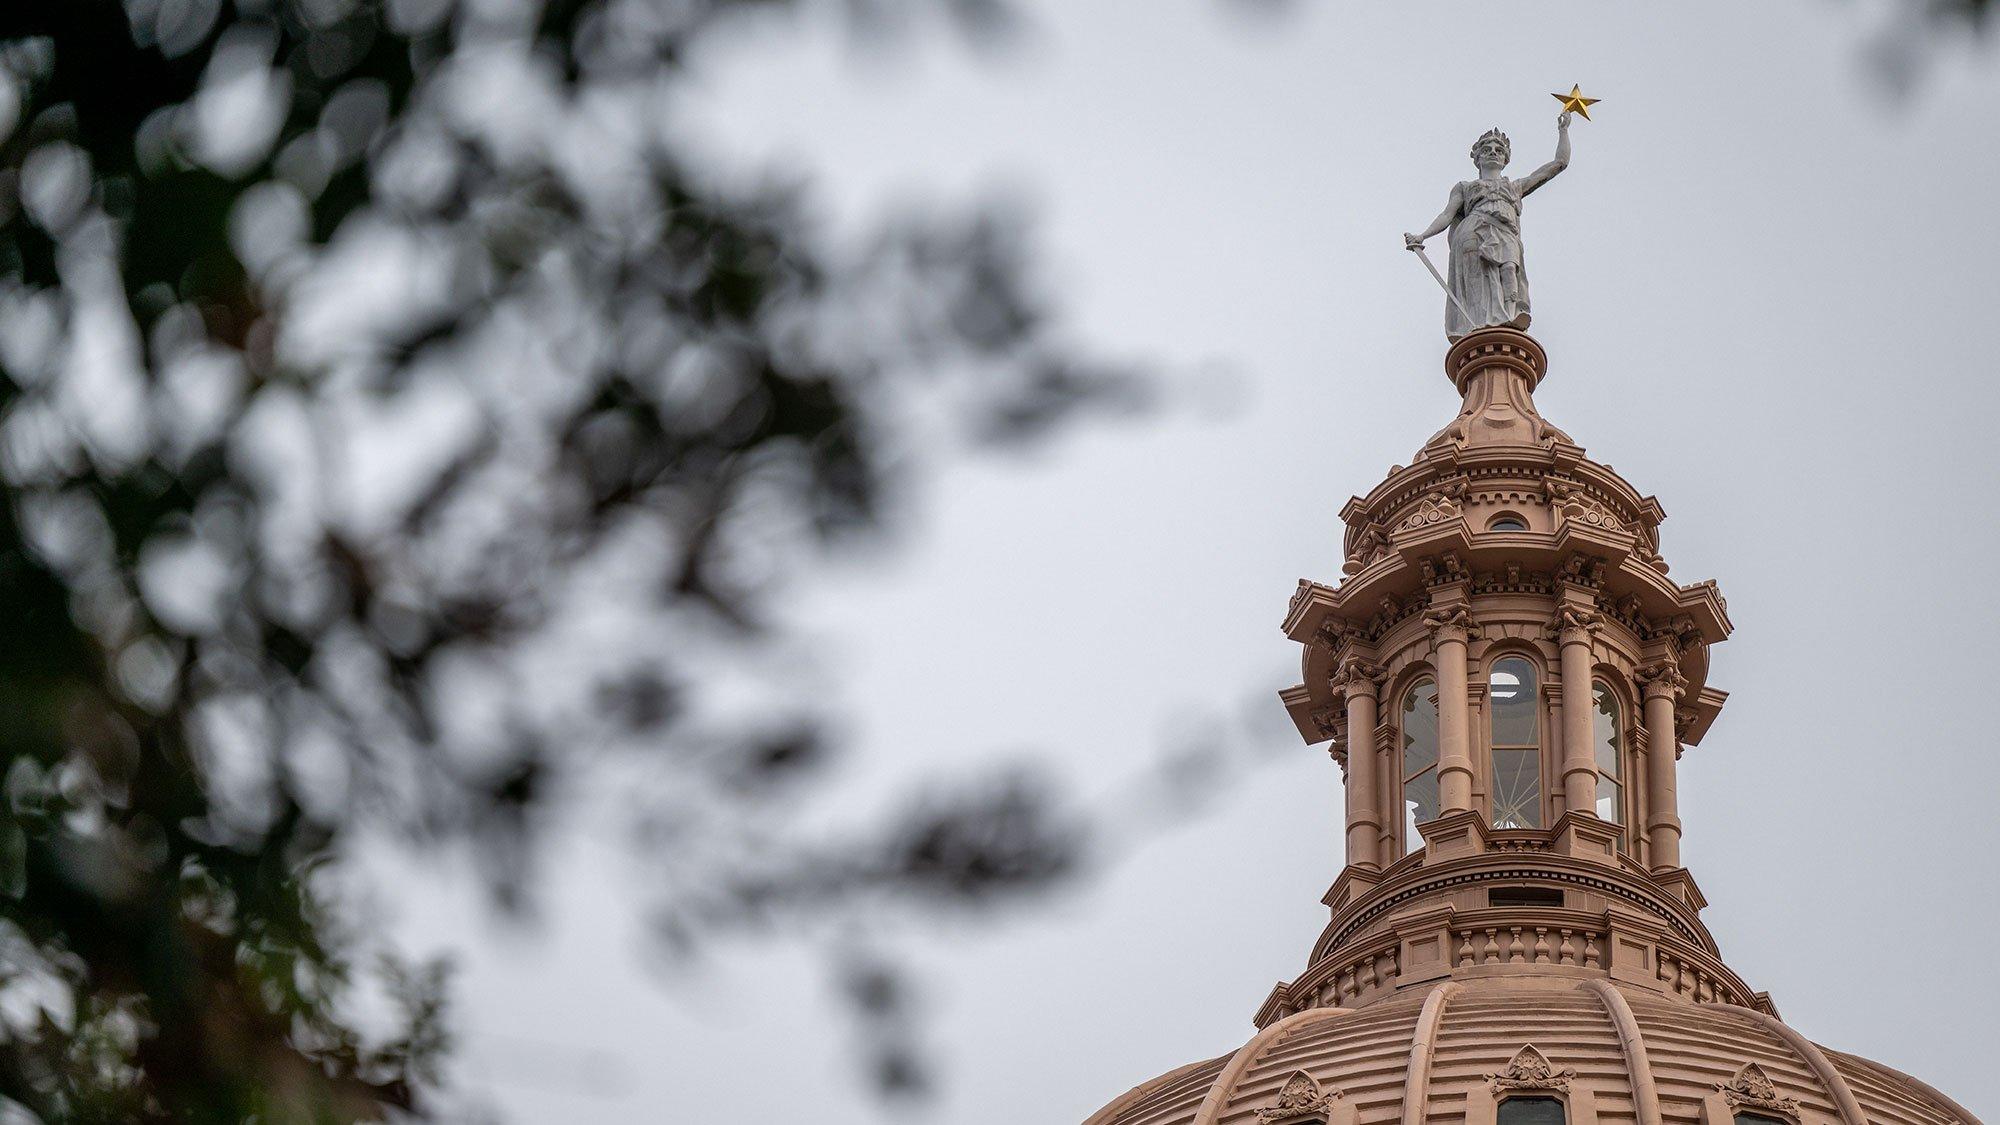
x=1359, y=680
x=1578, y=693
x=1663, y=684
x=1451, y=630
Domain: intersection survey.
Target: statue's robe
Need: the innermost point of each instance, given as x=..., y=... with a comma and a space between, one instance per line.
x=1487, y=274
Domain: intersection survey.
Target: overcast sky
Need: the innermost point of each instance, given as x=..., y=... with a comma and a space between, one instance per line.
x=1764, y=284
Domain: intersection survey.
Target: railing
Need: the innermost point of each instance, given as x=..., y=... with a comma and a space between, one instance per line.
x=1527, y=945
x=1444, y=943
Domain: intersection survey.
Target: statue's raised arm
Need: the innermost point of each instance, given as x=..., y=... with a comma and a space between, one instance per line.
x=1488, y=281
x=1548, y=171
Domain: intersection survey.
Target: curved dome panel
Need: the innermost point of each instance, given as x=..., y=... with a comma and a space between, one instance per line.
x=1537, y=1035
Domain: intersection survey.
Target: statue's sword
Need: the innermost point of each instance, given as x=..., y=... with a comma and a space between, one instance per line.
x=1442, y=284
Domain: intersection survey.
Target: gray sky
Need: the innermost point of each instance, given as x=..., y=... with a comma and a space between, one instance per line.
x=1762, y=284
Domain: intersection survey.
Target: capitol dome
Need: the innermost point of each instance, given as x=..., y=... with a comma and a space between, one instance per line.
x=1509, y=678
x=1601, y=1051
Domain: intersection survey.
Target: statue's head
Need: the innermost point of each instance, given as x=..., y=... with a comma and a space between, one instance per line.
x=1491, y=150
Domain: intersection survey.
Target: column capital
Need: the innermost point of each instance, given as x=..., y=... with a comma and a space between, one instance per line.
x=1358, y=676
x=1575, y=625
x=1450, y=624
x=1662, y=679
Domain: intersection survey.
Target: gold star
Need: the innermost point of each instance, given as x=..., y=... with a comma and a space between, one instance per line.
x=1575, y=102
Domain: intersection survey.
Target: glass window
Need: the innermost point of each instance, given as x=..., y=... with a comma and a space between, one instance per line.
x=1608, y=733
x=1420, y=759
x=1531, y=1111
x=1759, y=1119
x=1508, y=523
x=1517, y=744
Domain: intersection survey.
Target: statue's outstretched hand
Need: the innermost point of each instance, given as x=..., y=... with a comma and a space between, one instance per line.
x=1562, y=122
x=1413, y=242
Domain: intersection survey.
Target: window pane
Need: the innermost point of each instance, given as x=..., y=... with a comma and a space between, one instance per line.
x=1420, y=728
x=1759, y=1119
x=1511, y=690
x=1531, y=1111
x=1517, y=788
x=1610, y=800
x=1420, y=804
x=1420, y=755
x=1609, y=727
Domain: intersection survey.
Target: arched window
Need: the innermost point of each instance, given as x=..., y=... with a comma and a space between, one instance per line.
x=1508, y=522
x=1420, y=759
x=1517, y=744
x=1530, y=1111
x=1608, y=735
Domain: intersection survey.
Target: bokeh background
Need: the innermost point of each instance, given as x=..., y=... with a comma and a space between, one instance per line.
x=905, y=744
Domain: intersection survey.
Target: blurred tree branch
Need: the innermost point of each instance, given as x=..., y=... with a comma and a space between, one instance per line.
x=392, y=421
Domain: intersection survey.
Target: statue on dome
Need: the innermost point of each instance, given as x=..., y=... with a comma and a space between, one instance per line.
x=1488, y=282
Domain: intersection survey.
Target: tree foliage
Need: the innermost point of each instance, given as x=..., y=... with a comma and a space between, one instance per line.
x=397, y=423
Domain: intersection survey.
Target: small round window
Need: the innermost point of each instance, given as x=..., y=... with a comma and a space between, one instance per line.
x=1508, y=523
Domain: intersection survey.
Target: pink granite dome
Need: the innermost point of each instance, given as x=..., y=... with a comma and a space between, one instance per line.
x=1509, y=678
x=1613, y=1055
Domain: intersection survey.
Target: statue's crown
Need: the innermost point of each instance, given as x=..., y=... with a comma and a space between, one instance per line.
x=1493, y=134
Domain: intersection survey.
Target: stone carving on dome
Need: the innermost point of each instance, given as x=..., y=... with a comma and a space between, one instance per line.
x=1327, y=720
x=1301, y=1099
x=1454, y=623
x=1334, y=633
x=1752, y=1089
x=1575, y=620
x=1354, y=670
x=1532, y=1070
x=1582, y=570
x=1571, y=502
x=1442, y=568
x=1371, y=546
x=1662, y=675
x=1437, y=507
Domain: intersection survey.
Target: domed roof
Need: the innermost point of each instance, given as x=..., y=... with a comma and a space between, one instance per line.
x=1509, y=678
x=1612, y=1053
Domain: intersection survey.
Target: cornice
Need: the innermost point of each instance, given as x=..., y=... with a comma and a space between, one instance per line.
x=1524, y=854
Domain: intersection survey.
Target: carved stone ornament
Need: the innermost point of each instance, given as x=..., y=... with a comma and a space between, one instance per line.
x=1367, y=549
x=1531, y=1070
x=1301, y=1100
x=1752, y=1089
x=1328, y=721
x=1665, y=675
x=1299, y=595
x=1354, y=670
x=1334, y=633
x=1436, y=507
x=1573, y=504
x=1571, y=619
x=1451, y=624
x=1583, y=571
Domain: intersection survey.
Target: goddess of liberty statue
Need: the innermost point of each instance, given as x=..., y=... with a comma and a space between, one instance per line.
x=1488, y=281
